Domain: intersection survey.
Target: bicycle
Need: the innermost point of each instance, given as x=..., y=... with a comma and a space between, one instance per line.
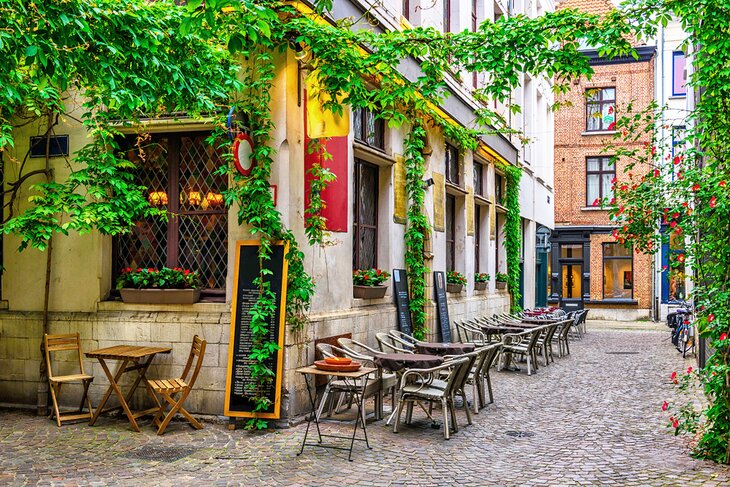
x=683, y=336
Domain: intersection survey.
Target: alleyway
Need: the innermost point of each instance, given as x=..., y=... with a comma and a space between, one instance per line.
x=592, y=418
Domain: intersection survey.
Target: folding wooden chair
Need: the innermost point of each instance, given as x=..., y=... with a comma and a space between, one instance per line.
x=67, y=342
x=167, y=388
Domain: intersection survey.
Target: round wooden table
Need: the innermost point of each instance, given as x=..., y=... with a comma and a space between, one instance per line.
x=398, y=361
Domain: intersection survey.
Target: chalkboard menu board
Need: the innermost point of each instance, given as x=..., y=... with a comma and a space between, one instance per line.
x=402, y=301
x=442, y=307
x=245, y=295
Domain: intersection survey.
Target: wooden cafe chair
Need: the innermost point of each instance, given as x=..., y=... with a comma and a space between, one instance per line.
x=67, y=342
x=169, y=388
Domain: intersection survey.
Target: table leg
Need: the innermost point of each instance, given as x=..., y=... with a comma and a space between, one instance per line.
x=112, y=380
x=360, y=400
x=122, y=399
x=313, y=414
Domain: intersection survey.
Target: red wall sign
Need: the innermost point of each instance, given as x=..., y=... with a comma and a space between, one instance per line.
x=242, y=150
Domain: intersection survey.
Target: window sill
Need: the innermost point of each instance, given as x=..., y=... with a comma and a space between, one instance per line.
x=599, y=132
x=362, y=303
x=481, y=200
x=500, y=208
x=371, y=155
x=593, y=208
x=455, y=190
x=678, y=97
x=617, y=301
x=200, y=307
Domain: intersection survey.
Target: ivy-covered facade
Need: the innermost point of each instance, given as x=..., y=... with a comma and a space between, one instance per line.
x=467, y=194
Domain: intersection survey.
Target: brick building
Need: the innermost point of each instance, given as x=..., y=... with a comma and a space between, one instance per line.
x=588, y=268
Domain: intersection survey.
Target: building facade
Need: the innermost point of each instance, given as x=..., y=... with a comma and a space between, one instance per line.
x=366, y=217
x=589, y=269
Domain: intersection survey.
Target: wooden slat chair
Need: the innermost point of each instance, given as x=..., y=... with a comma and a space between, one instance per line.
x=67, y=342
x=168, y=388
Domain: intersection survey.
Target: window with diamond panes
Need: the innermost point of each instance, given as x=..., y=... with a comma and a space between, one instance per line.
x=368, y=129
x=365, y=211
x=178, y=171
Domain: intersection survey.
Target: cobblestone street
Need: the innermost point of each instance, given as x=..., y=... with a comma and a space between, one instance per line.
x=593, y=418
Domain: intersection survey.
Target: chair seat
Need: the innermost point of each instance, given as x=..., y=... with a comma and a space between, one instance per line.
x=168, y=386
x=422, y=391
x=71, y=378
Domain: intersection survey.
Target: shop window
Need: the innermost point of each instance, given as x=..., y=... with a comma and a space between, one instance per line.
x=179, y=172
x=618, y=272
x=679, y=73
x=452, y=164
x=368, y=129
x=599, y=174
x=450, y=232
x=365, y=211
x=600, y=109
x=478, y=179
x=571, y=251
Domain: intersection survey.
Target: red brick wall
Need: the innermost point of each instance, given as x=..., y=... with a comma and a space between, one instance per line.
x=633, y=82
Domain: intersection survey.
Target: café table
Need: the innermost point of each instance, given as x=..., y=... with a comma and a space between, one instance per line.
x=348, y=377
x=442, y=349
x=141, y=358
x=400, y=362
x=540, y=321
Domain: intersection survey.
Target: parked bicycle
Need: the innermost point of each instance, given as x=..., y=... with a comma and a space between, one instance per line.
x=681, y=321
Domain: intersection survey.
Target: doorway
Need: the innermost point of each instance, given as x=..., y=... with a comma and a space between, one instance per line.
x=572, y=286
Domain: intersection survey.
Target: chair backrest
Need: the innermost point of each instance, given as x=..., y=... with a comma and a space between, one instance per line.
x=356, y=347
x=388, y=344
x=197, y=353
x=61, y=342
x=550, y=331
x=459, y=373
x=583, y=316
x=403, y=338
x=325, y=349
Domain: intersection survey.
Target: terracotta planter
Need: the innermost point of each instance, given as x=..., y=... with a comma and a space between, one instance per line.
x=454, y=288
x=160, y=296
x=480, y=286
x=368, y=292
x=501, y=285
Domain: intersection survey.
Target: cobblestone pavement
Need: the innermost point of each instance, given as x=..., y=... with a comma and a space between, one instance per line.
x=595, y=419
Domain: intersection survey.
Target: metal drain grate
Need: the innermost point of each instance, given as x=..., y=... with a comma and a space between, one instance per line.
x=159, y=453
x=520, y=434
x=622, y=353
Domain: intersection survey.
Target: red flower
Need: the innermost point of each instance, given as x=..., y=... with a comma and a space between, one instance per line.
x=689, y=369
x=680, y=258
x=186, y=272
x=664, y=268
x=713, y=202
x=610, y=110
x=673, y=224
x=723, y=336
x=378, y=272
x=595, y=202
x=677, y=159
x=680, y=175
x=624, y=187
x=613, y=200
x=696, y=187
x=665, y=406
x=656, y=173
x=722, y=184
x=675, y=423
x=685, y=204
x=612, y=126
x=710, y=318
x=675, y=215
x=613, y=180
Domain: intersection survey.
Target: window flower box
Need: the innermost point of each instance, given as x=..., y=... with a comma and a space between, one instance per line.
x=501, y=280
x=455, y=281
x=480, y=286
x=367, y=283
x=164, y=286
x=480, y=281
x=454, y=288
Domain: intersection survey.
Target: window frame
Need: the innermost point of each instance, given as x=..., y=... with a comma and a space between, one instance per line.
x=450, y=224
x=363, y=114
x=173, y=237
x=406, y=5
x=599, y=174
x=447, y=16
x=600, y=103
x=629, y=257
x=478, y=178
x=499, y=188
x=454, y=152
x=477, y=235
x=356, y=224
x=675, y=55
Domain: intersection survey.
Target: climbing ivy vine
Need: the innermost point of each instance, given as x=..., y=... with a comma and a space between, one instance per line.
x=513, y=233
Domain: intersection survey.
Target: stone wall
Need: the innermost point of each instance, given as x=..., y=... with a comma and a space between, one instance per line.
x=174, y=326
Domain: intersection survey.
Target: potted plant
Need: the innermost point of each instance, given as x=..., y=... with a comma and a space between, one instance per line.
x=455, y=281
x=163, y=286
x=501, y=280
x=480, y=281
x=367, y=283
